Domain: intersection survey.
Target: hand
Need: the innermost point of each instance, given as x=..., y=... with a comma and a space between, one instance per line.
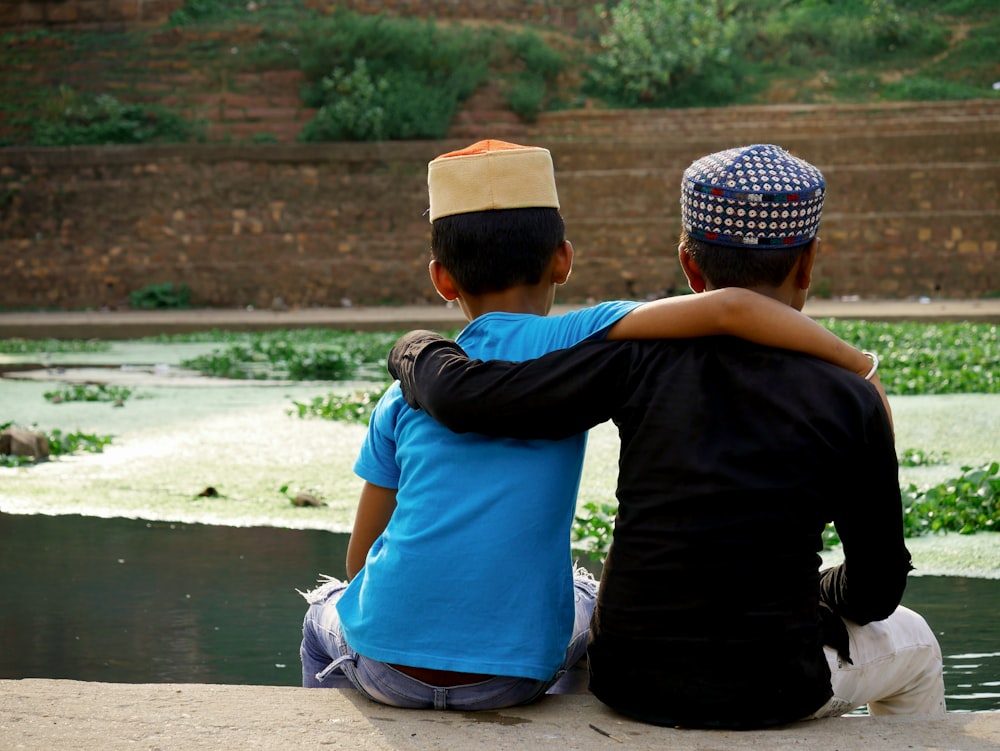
x=402, y=358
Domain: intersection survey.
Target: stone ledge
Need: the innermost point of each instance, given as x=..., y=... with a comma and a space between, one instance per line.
x=46, y=714
x=127, y=324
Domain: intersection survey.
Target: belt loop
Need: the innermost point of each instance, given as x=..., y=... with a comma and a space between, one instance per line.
x=440, y=698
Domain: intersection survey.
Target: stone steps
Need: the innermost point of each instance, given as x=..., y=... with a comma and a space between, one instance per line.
x=902, y=117
x=964, y=187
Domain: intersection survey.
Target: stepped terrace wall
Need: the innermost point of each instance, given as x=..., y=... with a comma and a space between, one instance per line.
x=118, y=13
x=912, y=209
x=85, y=14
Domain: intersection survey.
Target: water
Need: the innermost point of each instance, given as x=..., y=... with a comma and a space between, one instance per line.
x=129, y=601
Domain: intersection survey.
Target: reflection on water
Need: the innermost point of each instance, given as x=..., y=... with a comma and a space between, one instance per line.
x=965, y=616
x=128, y=601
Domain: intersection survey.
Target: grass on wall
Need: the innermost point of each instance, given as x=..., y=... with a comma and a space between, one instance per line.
x=882, y=50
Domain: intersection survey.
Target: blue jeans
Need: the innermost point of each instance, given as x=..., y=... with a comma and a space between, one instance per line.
x=329, y=662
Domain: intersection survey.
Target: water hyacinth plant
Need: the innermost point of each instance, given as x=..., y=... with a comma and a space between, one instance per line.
x=89, y=392
x=297, y=355
x=354, y=407
x=917, y=359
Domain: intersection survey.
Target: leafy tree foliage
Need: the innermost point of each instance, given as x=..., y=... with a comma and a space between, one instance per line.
x=653, y=45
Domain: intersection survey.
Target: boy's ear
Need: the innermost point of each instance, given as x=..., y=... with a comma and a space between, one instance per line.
x=562, y=262
x=804, y=267
x=442, y=281
x=694, y=276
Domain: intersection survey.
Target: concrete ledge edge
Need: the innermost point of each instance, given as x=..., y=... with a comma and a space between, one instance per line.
x=46, y=714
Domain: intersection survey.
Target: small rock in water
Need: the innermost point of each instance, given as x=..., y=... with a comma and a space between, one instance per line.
x=307, y=499
x=19, y=442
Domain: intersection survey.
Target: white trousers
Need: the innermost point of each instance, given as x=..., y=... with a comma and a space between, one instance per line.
x=897, y=669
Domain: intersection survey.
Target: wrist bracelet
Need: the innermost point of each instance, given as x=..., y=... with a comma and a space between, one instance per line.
x=874, y=358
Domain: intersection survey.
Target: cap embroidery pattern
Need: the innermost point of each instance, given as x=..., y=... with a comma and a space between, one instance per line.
x=758, y=196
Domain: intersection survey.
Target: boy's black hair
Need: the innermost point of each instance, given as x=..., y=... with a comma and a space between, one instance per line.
x=724, y=266
x=491, y=251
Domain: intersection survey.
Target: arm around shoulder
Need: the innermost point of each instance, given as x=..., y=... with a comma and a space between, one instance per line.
x=556, y=396
x=743, y=313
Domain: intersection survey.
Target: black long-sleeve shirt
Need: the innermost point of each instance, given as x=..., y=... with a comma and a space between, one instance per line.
x=733, y=458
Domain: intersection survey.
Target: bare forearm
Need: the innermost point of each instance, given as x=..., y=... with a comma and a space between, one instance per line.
x=742, y=313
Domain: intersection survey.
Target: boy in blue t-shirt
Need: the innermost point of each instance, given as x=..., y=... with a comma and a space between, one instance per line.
x=461, y=590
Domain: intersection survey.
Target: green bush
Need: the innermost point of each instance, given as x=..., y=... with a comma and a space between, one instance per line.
x=74, y=119
x=526, y=96
x=923, y=89
x=419, y=105
x=953, y=7
x=350, y=111
x=537, y=57
x=652, y=46
x=677, y=53
x=394, y=44
x=527, y=90
x=397, y=106
x=850, y=32
x=161, y=296
x=199, y=11
x=376, y=78
x=972, y=61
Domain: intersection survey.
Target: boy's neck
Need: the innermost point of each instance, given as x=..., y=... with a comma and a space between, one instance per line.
x=531, y=300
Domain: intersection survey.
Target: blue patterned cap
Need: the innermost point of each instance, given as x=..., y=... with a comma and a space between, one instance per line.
x=753, y=196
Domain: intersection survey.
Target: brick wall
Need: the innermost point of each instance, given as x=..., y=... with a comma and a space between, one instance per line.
x=102, y=14
x=563, y=14
x=912, y=209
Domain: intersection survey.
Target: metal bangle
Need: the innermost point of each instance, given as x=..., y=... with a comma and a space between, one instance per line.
x=874, y=358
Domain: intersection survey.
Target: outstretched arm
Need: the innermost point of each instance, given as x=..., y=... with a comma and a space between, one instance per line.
x=743, y=313
x=746, y=314
x=561, y=394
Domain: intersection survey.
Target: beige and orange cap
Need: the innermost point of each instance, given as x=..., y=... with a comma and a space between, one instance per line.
x=491, y=175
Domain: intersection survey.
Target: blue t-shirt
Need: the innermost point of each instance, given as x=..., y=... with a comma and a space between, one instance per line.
x=473, y=572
